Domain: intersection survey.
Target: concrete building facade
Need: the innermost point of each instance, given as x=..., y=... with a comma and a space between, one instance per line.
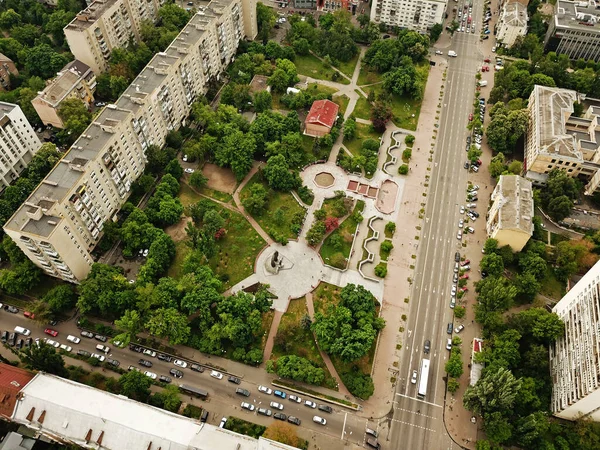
x=7, y=68
x=75, y=80
x=575, y=30
x=105, y=25
x=512, y=23
x=575, y=357
x=18, y=143
x=62, y=220
x=557, y=139
x=510, y=218
x=419, y=15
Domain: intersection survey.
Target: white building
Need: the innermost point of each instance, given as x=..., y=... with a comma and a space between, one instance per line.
x=417, y=15
x=512, y=23
x=72, y=413
x=575, y=358
x=18, y=143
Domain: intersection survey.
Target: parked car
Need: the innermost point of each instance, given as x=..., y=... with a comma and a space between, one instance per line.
x=113, y=362
x=310, y=404
x=73, y=339
x=197, y=368
x=164, y=357
x=244, y=392
x=223, y=422
x=28, y=342
x=413, y=378
x=320, y=420
x=449, y=328
x=176, y=373
x=427, y=346
x=103, y=348
x=29, y=315
x=4, y=336
x=216, y=374
x=276, y=405
x=265, y=390
x=144, y=362
x=294, y=420
x=248, y=406
x=98, y=356
x=295, y=398
x=459, y=328
x=264, y=412
x=135, y=348
x=470, y=230
x=149, y=352
x=84, y=353
x=180, y=363
x=165, y=379
x=19, y=344
x=152, y=375
x=52, y=343
x=326, y=408
x=100, y=338
x=449, y=344
x=279, y=416
x=65, y=347
x=233, y=379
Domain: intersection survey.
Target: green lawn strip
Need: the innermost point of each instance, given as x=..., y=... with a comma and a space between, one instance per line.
x=347, y=68
x=311, y=66
x=367, y=76
x=363, y=132
x=316, y=88
x=301, y=389
x=181, y=251
x=362, y=110
x=342, y=101
x=242, y=426
x=217, y=195
x=265, y=327
x=346, y=232
x=283, y=200
x=303, y=344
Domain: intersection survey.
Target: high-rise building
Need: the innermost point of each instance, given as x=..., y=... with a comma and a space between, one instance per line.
x=575, y=30
x=75, y=80
x=62, y=220
x=555, y=138
x=18, y=143
x=575, y=357
x=417, y=15
x=105, y=25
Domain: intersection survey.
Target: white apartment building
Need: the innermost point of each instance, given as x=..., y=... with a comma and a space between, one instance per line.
x=62, y=220
x=105, y=25
x=575, y=29
x=419, y=15
x=18, y=143
x=512, y=23
x=557, y=139
x=575, y=358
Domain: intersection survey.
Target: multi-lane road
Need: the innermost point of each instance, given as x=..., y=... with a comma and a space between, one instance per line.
x=418, y=424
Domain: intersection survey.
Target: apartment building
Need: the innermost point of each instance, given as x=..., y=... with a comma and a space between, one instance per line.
x=557, y=139
x=105, y=25
x=419, y=15
x=512, y=23
x=575, y=30
x=75, y=80
x=7, y=68
x=575, y=357
x=18, y=143
x=332, y=5
x=510, y=218
x=62, y=220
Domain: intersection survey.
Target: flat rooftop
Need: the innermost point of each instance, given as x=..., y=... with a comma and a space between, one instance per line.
x=583, y=15
x=88, y=16
x=516, y=207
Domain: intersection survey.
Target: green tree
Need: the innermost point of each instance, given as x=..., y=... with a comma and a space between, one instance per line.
x=105, y=291
x=198, y=180
x=381, y=114
x=265, y=20
x=75, y=117
x=453, y=385
x=56, y=22
x=497, y=165
x=129, y=324
x=60, y=299
x=257, y=200
x=454, y=366
x=43, y=357
x=565, y=257
x=279, y=176
x=497, y=427
x=559, y=207
x=492, y=264
x=42, y=60
x=135, y=385
x=496, y=391
x=435, y=32
x=173, y=17
x=263, y=101
x=9, y=19
x=169, y=323
x=299, y=369
x=174, y=168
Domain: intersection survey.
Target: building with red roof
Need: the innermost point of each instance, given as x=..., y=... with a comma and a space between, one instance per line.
x=12, y=380
x=321, y=118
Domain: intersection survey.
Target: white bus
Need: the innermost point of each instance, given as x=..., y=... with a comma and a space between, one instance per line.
x=423, y=379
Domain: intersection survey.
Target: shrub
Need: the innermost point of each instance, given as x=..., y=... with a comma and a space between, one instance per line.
x=406, y=155
x=358, y=384
x=306, y=195
x=381, y=270
x=409, y=139
x=331, y=223
x=320, y=214
x=386, y=247
x=453, y=385
x=459, y=312
x=403, y=169
x=338, y=260
x=390, y=228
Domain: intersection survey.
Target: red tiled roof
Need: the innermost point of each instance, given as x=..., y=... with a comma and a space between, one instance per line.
x=477, y=345
x=12, y=380
x=323, y=112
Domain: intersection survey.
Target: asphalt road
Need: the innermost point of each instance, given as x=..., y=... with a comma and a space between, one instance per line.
x=222, y=400
x=418, y=424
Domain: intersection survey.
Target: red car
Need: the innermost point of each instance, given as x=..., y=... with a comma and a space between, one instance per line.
x=29, y=315
x=465, y=276
x=487, y=60
x=470, y=117
x=485, y=69
x=51, y=332
x=465, y=289
x=465, y=262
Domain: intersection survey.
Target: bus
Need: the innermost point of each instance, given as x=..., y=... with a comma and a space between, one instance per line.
x=424, y=378
x=190, y=390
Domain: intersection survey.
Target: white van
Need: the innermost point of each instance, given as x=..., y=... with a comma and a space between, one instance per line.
x=483, y=83
x=452, y=53
x=23, y=331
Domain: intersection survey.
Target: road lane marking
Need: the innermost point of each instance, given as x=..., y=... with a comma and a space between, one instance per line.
x=413, y=425
x=344, y=427
x=417, y=400
x=415, y=413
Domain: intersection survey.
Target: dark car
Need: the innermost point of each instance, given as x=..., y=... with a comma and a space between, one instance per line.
x=294, y=420
x=197, y=368
x=427, y=346
x=113, y=362
x=164, y=357
x=87, y=334
x=475, y=213
x=466, y=165
x=233, y=379
x=468, y=139
x=11, y=339
x=279, y=416
x=450, y=327
x=145, y=363
x=244, y=392
x=28, y=342
x=176, y=373
x=84, y=353
x=326, y=408
x=457, y=256
x=486, y=37
x=100, y=338
x=19, y=344
x=164, y=379
x=135, y=348
x=204, y=416
x=4, y=337
x=484, y=274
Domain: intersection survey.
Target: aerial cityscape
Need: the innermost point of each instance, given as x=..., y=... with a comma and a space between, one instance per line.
x=300, y=224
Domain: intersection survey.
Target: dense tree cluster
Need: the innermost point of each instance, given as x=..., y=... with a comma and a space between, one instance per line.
x=298, y=369
x=508, y=124
x=366, y=161
x=558, y=195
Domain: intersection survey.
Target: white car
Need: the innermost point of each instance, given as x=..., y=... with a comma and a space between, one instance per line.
x=462, y=209
x=310, y=404
x=461, y=222
x=217, y=375
x=150, y=374
x=97, y=356
x=413, y=379
x=449, y=344
x=149, y=352
x=52, y=343
x=66, y=347
x=494, y=49
x=438, y=52
x=145, y=252
x=276, y=405
x=453, y=290
x=265, y=390
x=475, y=187
x=320, y=420
x=188, y=170
x=459, y=235
x=185, y=158
x=459, y=328
x=471, y=205
x=248, y=406
x=180, y=363
x=73, y=339
x=294, y=398
x=103, y=348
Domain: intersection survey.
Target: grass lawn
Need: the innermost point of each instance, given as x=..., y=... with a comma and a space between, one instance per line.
x=362, y=110
x=368, y=77
x=363, y=132
x=338, y=256
x=311, y=66
x=181, y=251
x=187, y=196
x=276, y=200
x=342, y=101
x=551, y=287
x=316, y=88
x=303, y=344
x=217, y=195
x=347, y=68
